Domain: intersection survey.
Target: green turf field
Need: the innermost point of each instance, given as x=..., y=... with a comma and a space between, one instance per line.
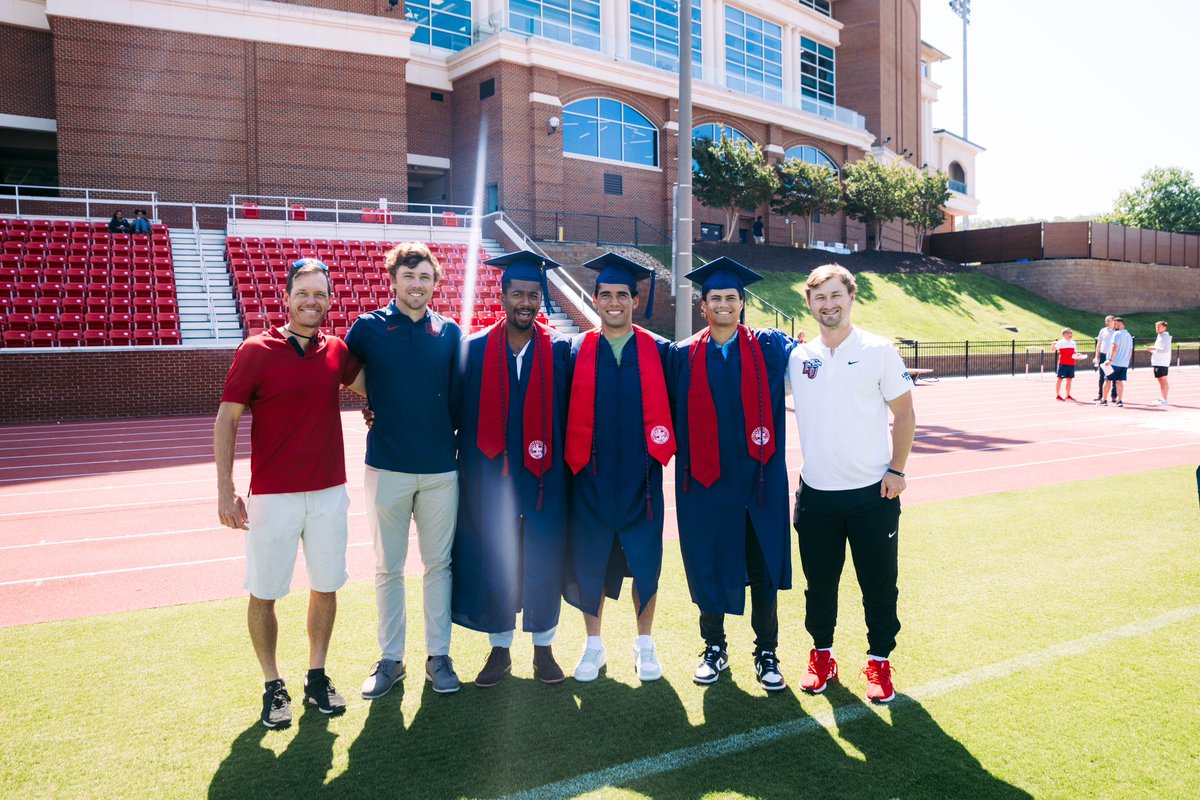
x=1048, y=651
x=954, y=307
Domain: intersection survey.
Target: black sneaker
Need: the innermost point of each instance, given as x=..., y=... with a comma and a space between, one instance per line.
x=766, y=667
x=277, y=705
x=713, y=661
x=319, y=692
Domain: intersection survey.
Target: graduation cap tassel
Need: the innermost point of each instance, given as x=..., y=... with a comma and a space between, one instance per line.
x=650, y=300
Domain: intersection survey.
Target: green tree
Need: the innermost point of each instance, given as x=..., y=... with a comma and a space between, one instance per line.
x=1168, y=199
x=731, y=175
x=927, y=193
x=806, y=189
x=876, y=193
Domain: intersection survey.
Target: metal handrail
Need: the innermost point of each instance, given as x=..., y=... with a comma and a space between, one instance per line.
x=588, y=302
x=12, y=191
x=779, y=312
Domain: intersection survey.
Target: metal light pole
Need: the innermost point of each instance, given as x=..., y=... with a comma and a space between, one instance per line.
x=683, y=193
x=963, y=9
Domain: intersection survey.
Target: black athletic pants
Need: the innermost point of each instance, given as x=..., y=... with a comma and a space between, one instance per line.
x=1100, y=391
x=764, y=613
x=825, y=522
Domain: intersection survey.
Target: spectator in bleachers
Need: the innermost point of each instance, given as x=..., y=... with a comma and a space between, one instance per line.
x=118, y=223
x=140, y=223
x=411, y=469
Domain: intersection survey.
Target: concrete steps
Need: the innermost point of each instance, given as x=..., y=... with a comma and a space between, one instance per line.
x=208, y=313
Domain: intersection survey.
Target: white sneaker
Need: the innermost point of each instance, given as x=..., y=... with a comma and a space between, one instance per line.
x=645, y=661
x=1159, y=402
x=588, y=668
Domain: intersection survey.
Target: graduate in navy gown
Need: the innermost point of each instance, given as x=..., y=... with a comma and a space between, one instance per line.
x=511, y=536
x=619, y=438
x=731, y=483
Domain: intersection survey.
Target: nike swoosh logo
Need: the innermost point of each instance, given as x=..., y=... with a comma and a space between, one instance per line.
x=392, y=327
x=892, y=535
x=851, y=362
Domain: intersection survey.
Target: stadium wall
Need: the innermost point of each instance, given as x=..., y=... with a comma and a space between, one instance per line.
x=80, y=384
x=1104, y=287
x=28, y=66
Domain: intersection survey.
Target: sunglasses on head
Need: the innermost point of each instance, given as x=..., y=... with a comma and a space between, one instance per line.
x=304, y=262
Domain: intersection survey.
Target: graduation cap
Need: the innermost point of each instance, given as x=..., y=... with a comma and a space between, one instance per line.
x=525, y=265
x=723, y=273
x=618, y=269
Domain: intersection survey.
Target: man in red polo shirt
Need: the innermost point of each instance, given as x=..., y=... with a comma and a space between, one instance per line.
x=289, y=377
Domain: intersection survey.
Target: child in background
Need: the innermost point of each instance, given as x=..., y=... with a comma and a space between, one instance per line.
x=1065, y=347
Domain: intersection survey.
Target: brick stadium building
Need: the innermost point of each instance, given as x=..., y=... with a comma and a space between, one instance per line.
x=213, y=105
x=359, y=99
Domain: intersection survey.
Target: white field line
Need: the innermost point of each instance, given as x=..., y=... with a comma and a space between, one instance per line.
x=126, y=536
x=146, y=568
x=831, y=720
x=163, y=502
x=205, y=463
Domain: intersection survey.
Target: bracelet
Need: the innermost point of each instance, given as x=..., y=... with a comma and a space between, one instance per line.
x=895, y=472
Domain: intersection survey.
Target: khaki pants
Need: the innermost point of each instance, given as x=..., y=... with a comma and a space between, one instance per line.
x=393, y=500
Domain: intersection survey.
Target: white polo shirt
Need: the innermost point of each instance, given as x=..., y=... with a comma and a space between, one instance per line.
x=1161, y=357
x=841, y=408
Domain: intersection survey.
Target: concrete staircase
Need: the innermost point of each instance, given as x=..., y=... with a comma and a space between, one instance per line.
x=207, y=310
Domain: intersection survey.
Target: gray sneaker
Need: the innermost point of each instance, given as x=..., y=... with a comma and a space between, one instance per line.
x=439, y=670
x=383, y=677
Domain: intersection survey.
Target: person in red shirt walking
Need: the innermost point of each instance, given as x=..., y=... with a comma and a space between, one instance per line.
x=289, y=378
x=1065, y=348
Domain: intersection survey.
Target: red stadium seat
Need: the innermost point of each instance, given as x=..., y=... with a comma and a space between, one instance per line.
x=19, y=322
x=41, y=338
x=95, y=322
x=70, y=321
x=95, y=337
x=69, y=338
x=167, y=319
x=120, y=320
x=16, y=338
x=169, y=337
x=145, y=337
x=120, y=337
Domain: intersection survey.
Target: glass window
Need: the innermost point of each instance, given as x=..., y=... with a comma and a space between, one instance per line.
x=440, y=23
x=609, y=129
x=575, y=22
x=812, y=155
x=654, y=34
x=753, y=55
x=817, y=77
x=818, y=5
x=714, y=132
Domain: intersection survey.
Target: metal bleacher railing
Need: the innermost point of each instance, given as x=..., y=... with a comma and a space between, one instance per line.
x=966, y=359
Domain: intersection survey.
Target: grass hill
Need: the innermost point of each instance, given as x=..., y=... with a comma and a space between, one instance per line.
x=910, y=296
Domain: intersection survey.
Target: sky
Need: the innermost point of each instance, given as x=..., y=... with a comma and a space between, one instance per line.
x=1073, y=99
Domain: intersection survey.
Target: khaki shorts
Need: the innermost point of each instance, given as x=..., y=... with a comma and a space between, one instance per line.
x=278, y=523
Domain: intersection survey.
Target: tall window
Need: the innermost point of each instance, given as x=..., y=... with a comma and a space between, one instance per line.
x=818, y=5
x=575, y=22
x=753, y=55
x=440, y=23
x=816, y=76
x=609, y=129
x=654, y=34
x=812, y=155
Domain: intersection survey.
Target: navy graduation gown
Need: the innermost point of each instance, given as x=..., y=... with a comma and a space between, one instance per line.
x=712, y=521
x=608, y=496
x=508, y=556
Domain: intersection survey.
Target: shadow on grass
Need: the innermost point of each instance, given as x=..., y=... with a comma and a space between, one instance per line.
x=946, y=291
x=251, y=770
x=910, y=757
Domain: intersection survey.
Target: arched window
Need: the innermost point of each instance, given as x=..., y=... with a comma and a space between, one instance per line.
x=609, y=129
x=958, y=178
x=812, y=155
x=715, y=132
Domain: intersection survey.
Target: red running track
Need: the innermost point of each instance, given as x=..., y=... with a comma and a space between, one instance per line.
x=99, y=517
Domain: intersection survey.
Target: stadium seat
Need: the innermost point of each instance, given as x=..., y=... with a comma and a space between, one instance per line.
x=95, y=337
x=45, y=322
x=95, y=322
x=120, y=337
x=16, y=338
x=41, y=338
x=70, y=321
x=69, y=338
x=145, y=337
x=166, y=336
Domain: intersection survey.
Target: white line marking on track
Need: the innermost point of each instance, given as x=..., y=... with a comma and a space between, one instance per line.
x=831, y=720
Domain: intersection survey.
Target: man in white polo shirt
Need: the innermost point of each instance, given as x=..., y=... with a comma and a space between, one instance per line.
x=844, y=384
x=1119, y=357
x=1103, y=346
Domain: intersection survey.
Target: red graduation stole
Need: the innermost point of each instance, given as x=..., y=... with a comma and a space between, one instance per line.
x=537, y=421
x=656, y=409
x=704, y=447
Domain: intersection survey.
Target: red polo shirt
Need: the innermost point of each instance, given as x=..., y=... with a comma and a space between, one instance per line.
x=296, y=423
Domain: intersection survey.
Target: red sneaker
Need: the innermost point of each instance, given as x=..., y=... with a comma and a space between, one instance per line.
x=822, y=668
x=1072, y=399
x=1059, y=397
x=879, y=681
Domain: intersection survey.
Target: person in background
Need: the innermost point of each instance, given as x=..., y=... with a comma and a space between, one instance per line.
x=1160, y=359
x=1065, y=348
